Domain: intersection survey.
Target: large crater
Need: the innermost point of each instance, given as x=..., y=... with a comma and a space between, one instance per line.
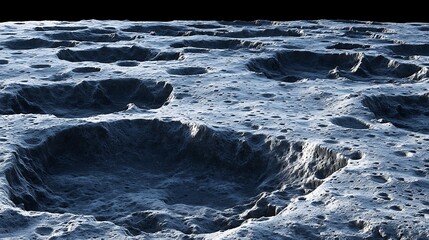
x=292, y=66
x=83, y=99
x=407, y=112
x=107, y=54
x=150, y=175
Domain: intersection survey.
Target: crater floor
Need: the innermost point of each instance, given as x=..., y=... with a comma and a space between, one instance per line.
x=214, y=130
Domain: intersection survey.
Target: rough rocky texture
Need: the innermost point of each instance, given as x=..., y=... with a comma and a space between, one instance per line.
x=214, y=130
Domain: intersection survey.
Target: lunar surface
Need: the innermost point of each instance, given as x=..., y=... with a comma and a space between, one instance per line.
x=214, y=130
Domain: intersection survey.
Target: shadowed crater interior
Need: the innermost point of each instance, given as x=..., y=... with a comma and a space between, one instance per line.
x=84, y=99
x=408, y=112
x=187, y=71
x=349, y=122
x=291, y=66
x=150, y=175
x=113, y=54
x=33, y=43
x=90, y=35
x=410, y=49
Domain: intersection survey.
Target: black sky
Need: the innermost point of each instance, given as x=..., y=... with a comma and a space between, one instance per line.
x=208, y=10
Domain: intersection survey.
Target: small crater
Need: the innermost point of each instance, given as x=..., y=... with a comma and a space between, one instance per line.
x=86, y=69
x=358, y=224
x=349, y=122
x=33, y=140
x=40, y=66
x=127, y=63
x=268, y=95
x=196, y=50
x=356, y=155
x=379, y=178
x=396, y=208
x=384, y=196
x=400, y=153
x=44, y=230
x=348, y=46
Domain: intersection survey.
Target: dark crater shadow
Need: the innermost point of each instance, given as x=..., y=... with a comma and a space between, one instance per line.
x=127, y=63
x=187, y=71
x=424, y=28
x=113, y=54
x=87, y=98
x=410, y=49
x=407, y=112
x=291, y=66
x=33, y=43
x=150, y=175
x=40, y=66
x=349, y=122
x=367, y=29
x=205, y=26
x=86, y=69
x=347, y=46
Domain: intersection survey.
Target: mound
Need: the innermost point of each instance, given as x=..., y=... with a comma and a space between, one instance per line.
x=86, y=98
x=113, y=54
x=149, y=175
x=291, y=66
